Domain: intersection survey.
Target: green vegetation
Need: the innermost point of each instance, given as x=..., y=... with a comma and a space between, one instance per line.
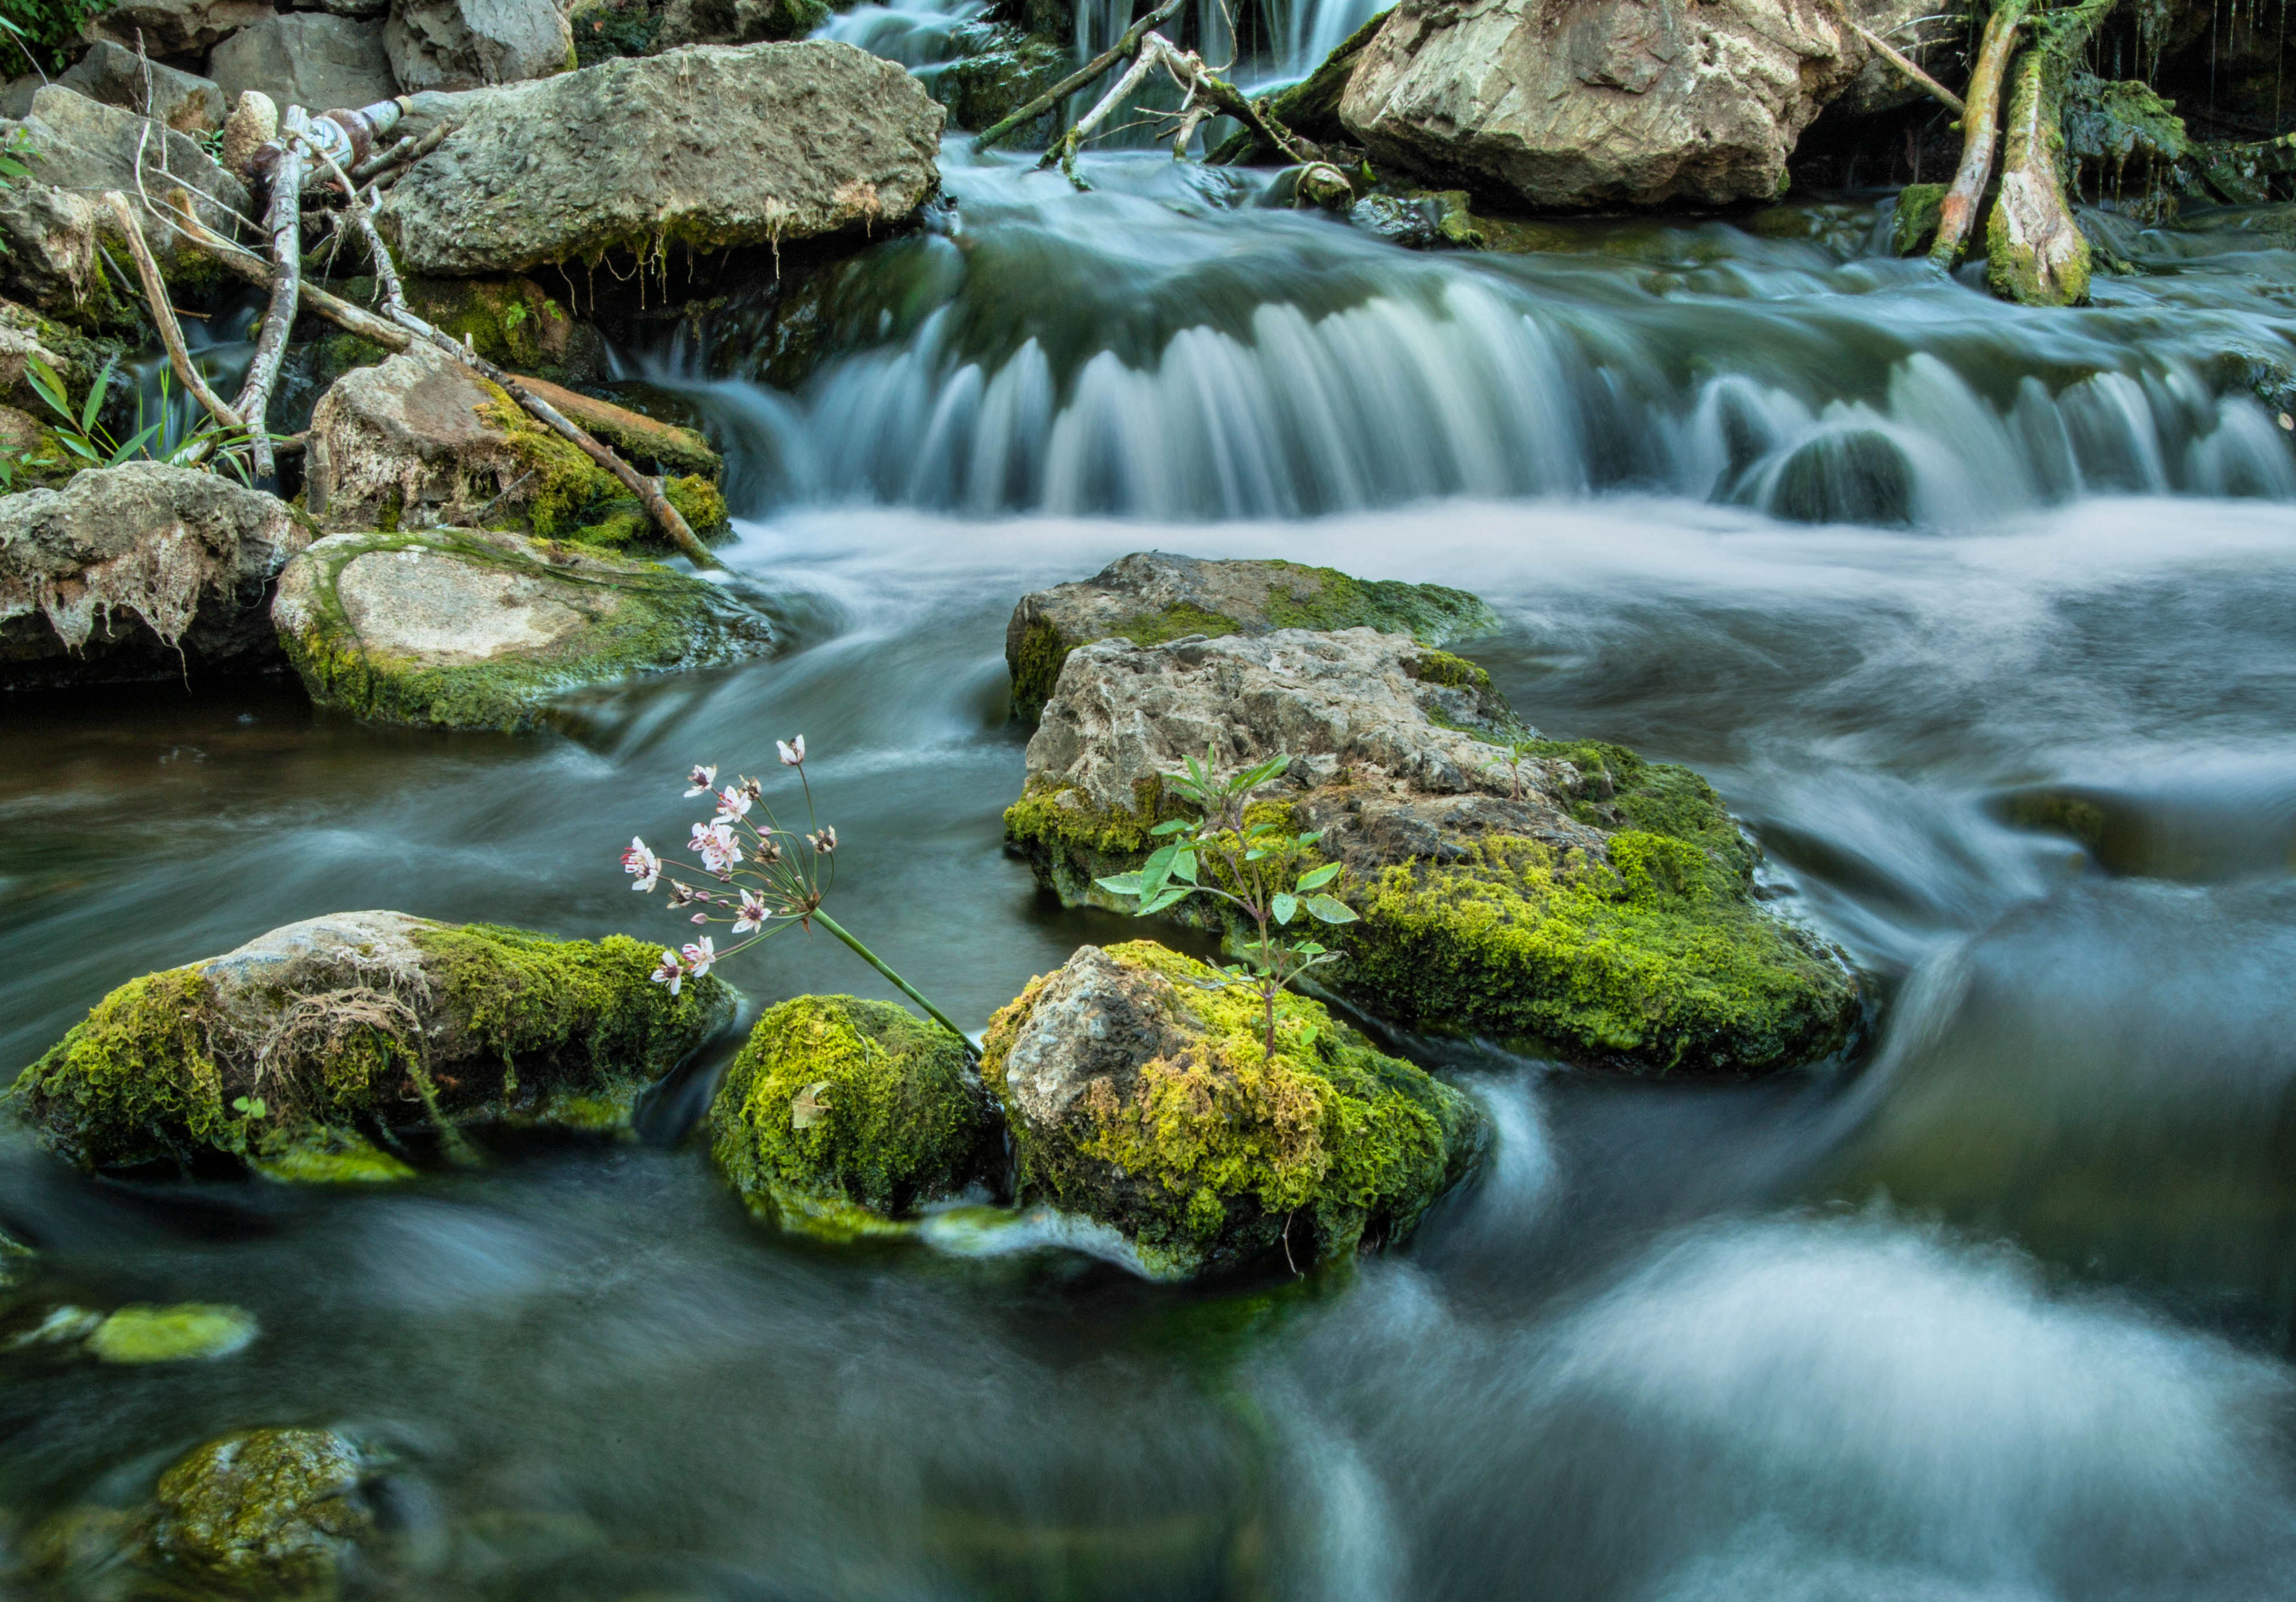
x=1223, y=1152
x=840, y=1113
x=142, y=1333
x=260, y=1514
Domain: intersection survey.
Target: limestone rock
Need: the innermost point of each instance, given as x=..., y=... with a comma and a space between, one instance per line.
x=1569, y=897
x=738, y=21
x=253, y=123
x=420, y=441
x=51, y=221
x=262, y=1512
x=177, y=27
x=466, y=44
x=117, y=77
x=704, y=149
x=113, y=576
x=308, y=59
x=841, y=1114
x=1010, y=69
x=1600, y=103
x=1150, y=598
x=361, y=1023
x=1143, y=1100
x=345, y=8
x=464, y=630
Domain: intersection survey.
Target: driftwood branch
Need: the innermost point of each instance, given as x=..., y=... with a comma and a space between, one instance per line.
x=284, y=222
x=163, y=314
x=1206, y=92
x=1979, y=129
x=1125, y=45
x=406, y=154
x=1905, y=64
x=1063, y=148
x=354, y=319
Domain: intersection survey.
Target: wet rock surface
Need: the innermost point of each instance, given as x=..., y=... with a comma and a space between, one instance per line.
x=702, y=149
x=267, y=1512
x=467, y=631
x=139, y=572
x=1146, y=1102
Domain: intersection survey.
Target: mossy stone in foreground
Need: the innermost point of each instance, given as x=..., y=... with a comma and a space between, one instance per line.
x=1142, y=1099
x=316, y=1035
x=842, y=1114
x=261, y=1513
x=144, y=1334
x=465, y=630
x=1151, y=597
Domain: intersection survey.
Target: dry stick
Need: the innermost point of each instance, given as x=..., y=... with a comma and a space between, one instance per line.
x=356, y=319
x=1063, y=148
x=1904, y=64
x=405, y=153
x=1076, y=80
x=285, y=223
x=1958, y=213
x=171, y=332
x=1188, y=70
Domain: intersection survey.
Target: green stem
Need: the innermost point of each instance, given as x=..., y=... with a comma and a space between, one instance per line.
x=906, y=987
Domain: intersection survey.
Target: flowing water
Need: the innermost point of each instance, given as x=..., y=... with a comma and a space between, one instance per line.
x=2001, y=1312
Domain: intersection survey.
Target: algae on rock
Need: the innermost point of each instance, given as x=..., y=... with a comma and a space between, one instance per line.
x=260, y=1513
x=1564, y=896
x=1151, y=597
x=1141, y=1095
x=144, y=1334
x=455, y=630
x=841, y=1114
x=367, y=1021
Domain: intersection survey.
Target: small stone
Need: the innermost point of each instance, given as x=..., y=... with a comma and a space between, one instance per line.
x=253, y=123
x=267, y=1512
x=189, y=1330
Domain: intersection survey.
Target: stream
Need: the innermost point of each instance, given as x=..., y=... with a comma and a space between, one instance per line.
x=1926, y=584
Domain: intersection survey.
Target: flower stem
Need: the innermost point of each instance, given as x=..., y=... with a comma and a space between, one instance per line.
x=906, y=989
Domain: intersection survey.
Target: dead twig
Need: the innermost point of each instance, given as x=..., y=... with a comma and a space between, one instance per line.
x=248, y=264
x=1904, y=64
x=1126, y=44
x=163, y=314
x=285, y=224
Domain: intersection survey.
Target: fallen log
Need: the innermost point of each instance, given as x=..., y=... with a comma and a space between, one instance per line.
x=283, y=223
x=1979, y=129
x=1126, y=44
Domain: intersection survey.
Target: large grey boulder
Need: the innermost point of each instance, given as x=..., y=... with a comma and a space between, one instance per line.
x=1141, y=1095
x=117, y=77
x=466, y=44
x=175, y=27
x=453, y=628
x=1567, y=896
x=704, y=149
x=308, y=59
x=1152, y=597
x=1600, y=103
x=53, y=219
x=139, y=572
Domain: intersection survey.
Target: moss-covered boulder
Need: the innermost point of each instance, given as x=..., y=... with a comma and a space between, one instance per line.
x=266, y=1513
x=513, y=322
x=421, y=442
x=356, y=1026
x=455, y=630
x=1563, y=897
x=1140, y=1097
x=1150, y=598
x=839, y=1114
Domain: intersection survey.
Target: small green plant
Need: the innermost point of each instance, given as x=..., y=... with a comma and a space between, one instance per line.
x=82, y=432
x=1516, y=750
x=1255, y=869
x=249, y=1106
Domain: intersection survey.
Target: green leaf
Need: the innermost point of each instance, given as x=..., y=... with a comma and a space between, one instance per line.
x=95, y=396
x=1158, y=869
x=1320, y=877
x=78, y=446
x=1309, y=838
x=1285, y=904
x=1184, y=867
x=1177, y=892
x=1122, y=885
x=132, y=446
x=47, y=386
x=1171, y=826
x=1255, y=853
x=1331, y=909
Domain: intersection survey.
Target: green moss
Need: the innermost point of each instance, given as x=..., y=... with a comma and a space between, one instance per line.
x=1452, y=672
x=143, y=1334
x=512, y=323
x=262, y=1513
x=1914, y=223
x=662, y=619
x=2061, y=812
x=837, y=1104
x=1222, y=1152
x=326, y=1157
x=983, y=89
x=605, y=30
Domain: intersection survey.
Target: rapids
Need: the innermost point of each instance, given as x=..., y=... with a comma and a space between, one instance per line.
x=2002, y=1310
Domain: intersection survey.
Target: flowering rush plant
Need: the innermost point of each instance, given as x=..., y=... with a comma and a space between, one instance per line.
x=768, y=878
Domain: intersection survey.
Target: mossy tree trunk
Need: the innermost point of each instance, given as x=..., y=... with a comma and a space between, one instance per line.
x=2034, y=251
x=1958, y=213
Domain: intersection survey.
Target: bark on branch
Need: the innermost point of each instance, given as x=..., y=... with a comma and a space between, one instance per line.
x=284, y=222
x=1128, y=42
x=1979, y=126
x=1904, y=64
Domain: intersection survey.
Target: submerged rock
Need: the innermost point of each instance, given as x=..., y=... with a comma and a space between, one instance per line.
x=1600, y=103
x=1142, y=1099
x=193, y=1330
x=1151, y=597
x=464, y=630
x=308, y=59
x=1009, y=70
x=839, y=1114
x=420, y=441
x=700, y=150
x=469, y=43
x=1567, y=896
x=360, y=1021
x=139, y=572
x=262, y=1513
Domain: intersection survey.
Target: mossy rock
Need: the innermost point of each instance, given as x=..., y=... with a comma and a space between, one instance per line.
x=1913, y=222
x=455, y=629
x=1141, y=1094
x=841, y=1113
x=1150, y=598
x=1009, y=70
x=1563, y=897
x=186, y=1332
x=371, y=1024
x=266, y=1513
x=513, y=322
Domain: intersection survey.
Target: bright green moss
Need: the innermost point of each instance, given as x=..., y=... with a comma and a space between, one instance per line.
x=143, y=1334
x=841, y=1113
x=510, y=322
x=326, y=1157
x=1914, y=223
x=562, y=487
x=1452, y=672
x=1222, y=1153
